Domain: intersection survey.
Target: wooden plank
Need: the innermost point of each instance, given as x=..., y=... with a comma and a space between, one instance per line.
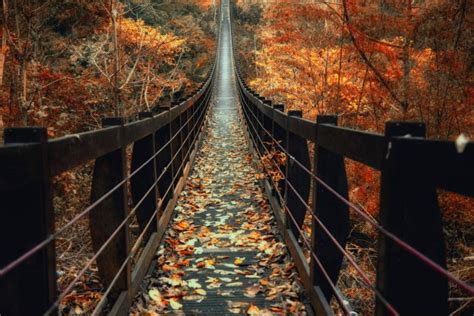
x=409, y=210
x=275, y=204
x=299, y=258
x=16, y=170
x=331, y=211
x=300, y=180
x=144, y=261
x=143, y=180
x=143, y=127
x=122, y=305
x=74, y=150
x=319, y=302
x=109, y=170
x=27, y=218
x=302, y=127
x=281, y=119
x=441, y=163
x=297, y=125
x=367, y=148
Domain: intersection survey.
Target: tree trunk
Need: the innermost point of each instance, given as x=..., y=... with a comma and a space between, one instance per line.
x=116, y=84
x=3, y=52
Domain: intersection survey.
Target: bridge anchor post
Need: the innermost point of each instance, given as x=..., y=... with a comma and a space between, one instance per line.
x=27, y=218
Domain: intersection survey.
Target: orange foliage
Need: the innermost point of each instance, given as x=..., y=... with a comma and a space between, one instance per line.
x=309, y=56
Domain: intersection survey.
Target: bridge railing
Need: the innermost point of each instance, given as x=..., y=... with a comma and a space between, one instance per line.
x=306, y=174
x=163, y=147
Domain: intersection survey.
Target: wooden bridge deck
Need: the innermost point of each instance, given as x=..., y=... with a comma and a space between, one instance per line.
x=222, y=253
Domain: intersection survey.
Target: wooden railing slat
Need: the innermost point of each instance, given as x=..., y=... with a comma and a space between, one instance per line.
x=27, y=218
x=109, y=170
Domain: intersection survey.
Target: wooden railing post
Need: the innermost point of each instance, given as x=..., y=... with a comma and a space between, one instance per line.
x=175, y=147
x=109, y=170
x=259, y=124
x=184, y=132
x=141, y=182
x=409, y=209
x=27, y=218
x=162, y=136
x=193, y=120
x=254, y=118
x=279, y=134
x=297, y=147
x=333, y=213
x=267, y=125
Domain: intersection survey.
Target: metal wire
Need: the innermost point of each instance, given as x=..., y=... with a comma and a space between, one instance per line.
x=408, y=248
x=135, y=247
x=15, y=263
x=120, y=226
x=342, y=301
x=351, y=260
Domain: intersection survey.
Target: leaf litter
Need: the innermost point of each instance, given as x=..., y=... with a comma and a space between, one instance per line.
x=222, y=250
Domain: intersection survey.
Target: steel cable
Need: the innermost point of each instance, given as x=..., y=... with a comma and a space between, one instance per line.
x=15, y=263
x=135, y=248
x=119, y=227
x=408, y=248
x=351, y=260
x=342, y=301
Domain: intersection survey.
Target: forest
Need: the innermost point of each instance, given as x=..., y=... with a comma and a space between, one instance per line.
x=67, y=64
x=370, y=62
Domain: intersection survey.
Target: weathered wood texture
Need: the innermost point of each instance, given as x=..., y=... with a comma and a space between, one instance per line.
x=27, y=218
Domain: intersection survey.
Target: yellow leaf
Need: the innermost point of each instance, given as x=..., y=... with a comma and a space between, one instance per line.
x=175, y=304
x=239, y=260
x=253, y=310
x=155, y=295
x=200, y=292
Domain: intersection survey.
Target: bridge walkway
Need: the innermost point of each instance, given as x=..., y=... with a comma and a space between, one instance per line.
x=222, y=253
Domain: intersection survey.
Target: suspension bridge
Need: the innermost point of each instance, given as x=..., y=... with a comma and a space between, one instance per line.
x=213, y=143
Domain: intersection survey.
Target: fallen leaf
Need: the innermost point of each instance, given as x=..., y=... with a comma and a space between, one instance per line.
x=234, y=284
x=253, y=310
x=175, y=304
x=155, y=295
x=197, y=298
x=200, y=292
x=229, y=265
x=239, y=260
x=194, y=284
x=252, y=291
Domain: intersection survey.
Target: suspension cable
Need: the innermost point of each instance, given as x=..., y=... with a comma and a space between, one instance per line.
x=342, y=301
x=15, y=263
x=408, y=248
x=333, y=239
x=135, y=247
x=119, y=227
